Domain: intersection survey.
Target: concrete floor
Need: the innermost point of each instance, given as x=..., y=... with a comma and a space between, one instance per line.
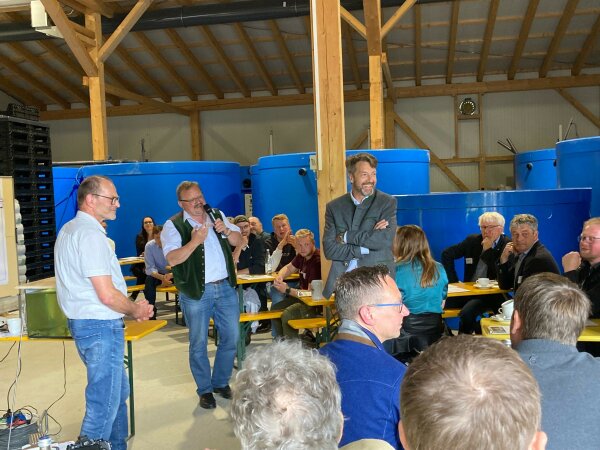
x=166, y=404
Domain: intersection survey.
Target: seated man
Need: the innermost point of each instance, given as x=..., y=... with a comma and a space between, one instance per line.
x=470, y=393
x=370, y=306
x=525, y=255
x=256, y=228
x=550, y=314
x=156, y=268
x=481, y=253
x=282, y=247
x=308, y=264
x=249, y=257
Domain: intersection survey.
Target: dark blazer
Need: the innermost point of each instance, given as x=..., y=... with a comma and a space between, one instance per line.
x=253, y=257
x=588, y=279
x=343, y=216
x=470, y=250
x=538, y=260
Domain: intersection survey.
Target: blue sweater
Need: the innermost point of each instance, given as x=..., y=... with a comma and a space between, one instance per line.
x=369, y=379
x=421, y=300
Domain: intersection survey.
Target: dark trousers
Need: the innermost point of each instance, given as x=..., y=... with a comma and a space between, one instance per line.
x=473, y=310
x=139, y=271
x=418, y=332
x=283, y=304
x=151, y=284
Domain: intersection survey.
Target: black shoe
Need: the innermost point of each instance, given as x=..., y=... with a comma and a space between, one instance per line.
x=248, y=338
x=207, y=401
x=224, y=392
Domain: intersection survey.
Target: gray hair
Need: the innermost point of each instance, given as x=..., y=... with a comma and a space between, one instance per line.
x=353, y=160
x=492, y=216
x=551, y=307
x=287, y=397
x=186, y=186
x=524, y=219
x=469, y=393
x=91, y=185
x=357, y=288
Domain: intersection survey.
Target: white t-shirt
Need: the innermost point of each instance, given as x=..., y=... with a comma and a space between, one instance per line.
x=82, y=251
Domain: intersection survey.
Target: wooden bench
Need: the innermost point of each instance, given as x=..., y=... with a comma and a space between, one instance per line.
x=319, y=324
x=135, y=288
x=450, y=313
x=246, y=320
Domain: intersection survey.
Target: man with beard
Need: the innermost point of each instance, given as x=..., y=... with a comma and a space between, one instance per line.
x=360, y=225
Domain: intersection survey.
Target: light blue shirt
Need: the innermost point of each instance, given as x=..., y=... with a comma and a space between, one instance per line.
x=83, y=251
x=215, y=268
x=154, y=258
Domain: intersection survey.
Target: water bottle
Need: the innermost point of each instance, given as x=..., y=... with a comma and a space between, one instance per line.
x=268, y=267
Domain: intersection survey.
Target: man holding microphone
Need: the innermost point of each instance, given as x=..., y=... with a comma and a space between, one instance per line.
x=197, y=245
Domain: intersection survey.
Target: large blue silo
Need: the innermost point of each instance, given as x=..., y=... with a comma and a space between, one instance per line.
x=148, y=189
x=447, y=218
x=66, y=182
x=536, y=169
x=286, y=184
x=579, y=166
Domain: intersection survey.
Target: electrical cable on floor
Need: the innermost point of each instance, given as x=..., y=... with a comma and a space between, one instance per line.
x=8, y=353
x=47, y=412
x=15, y=384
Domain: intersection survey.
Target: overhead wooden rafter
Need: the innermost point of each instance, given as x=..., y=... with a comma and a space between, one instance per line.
x=590, y=42
x=287, y=57
x=452, y=42
x=372, y=11
x=256, y=59
x=20, y=93
x=417, y=10
x=585, y=112
x=142, y=74
x=523, y=35
x=351, y=54
x=557, y=36
x=487, y=38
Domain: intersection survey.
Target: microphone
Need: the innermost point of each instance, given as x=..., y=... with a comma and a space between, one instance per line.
x=213, y=217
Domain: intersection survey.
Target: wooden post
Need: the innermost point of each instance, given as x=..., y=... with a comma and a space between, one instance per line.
x=97, y=94
x=372, y=11
x=390, y=125
x=196, y=138
x=328, y=88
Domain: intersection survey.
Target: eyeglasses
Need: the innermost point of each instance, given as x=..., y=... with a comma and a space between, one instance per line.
x=113, y=200
x=488, y=227
x=399, y=305
x=590, y=239
x=192, y=200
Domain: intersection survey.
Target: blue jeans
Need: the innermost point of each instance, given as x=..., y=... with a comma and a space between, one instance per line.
x=220, y=301
x=101, y=346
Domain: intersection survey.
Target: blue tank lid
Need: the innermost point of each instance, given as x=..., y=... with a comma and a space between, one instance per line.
x=581, y=145
x=168, y=167
x=536, y=155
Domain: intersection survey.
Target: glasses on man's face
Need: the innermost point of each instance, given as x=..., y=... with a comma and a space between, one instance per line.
x=113, y=200
x=590, y=239
x=399, y=306
x=487, y=227
x=193, y=200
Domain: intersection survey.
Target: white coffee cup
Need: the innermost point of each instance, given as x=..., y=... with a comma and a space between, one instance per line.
x=14, y=326
x=317, y=289
x=507, y=309
x=483, y=282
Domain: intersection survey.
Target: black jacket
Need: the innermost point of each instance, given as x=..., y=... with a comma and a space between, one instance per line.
x=538, y=260
x=470, y=250
x=588, y=279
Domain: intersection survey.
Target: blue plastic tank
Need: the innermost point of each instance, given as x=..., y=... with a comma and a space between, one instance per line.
x=579, y=166
x=286, y=184
x=148, y=189
x=66, y=182
x=536, y=169
x=447, y=218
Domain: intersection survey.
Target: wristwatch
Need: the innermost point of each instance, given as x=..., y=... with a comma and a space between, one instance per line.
x=288, y=290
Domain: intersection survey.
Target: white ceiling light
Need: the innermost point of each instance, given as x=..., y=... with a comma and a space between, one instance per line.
x=40, y=20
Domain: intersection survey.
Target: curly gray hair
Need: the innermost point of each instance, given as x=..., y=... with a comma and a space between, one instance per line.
x=287, y=397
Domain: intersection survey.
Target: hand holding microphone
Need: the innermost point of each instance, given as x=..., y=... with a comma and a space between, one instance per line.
x=219, y=227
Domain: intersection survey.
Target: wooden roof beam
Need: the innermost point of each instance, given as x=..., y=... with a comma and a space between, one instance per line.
x=417, y=10
x=99, y=6
x=18, y=93
x=387, y=73
x=193, y=61
x=42, y=87
x=46, y=69
x=124, y=27
x=351, y=53
x=452, y=42
x=233, y=73
x=353, y=22
x=400, y=12
x=166, y=65
x=588, y=45
x=142, y=74
x=487, y=39
x=523, y=35
x=287, y=57
x=256, y=59
x=589, y=115
x=562, y=26
x=55, y=11
x=123, y=93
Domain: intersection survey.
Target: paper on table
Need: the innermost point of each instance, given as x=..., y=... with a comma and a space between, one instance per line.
x=498, y=329
x=245, y=276
x=455, y=289
x=304, y=293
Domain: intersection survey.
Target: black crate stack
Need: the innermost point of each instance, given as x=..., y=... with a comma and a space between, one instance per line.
x=25, y=155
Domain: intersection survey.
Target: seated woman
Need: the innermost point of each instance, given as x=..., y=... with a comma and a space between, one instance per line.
x=141, y=239
x=424, y=286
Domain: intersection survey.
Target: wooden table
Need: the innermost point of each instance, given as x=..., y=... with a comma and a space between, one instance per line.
x=131, y=260
x=589, y=334
x=134, y=331
x=471, y=290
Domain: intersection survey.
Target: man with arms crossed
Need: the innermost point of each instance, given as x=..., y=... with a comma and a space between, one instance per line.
x=360, y=225
x=550, y=314
x=92, y=293
x=198, y=249
x=370, y=306
x=470, y=393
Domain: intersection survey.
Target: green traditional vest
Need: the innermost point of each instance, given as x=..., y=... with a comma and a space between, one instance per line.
x=189, y=275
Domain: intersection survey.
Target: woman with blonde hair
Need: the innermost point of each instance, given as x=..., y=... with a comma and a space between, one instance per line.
x=424, y=286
